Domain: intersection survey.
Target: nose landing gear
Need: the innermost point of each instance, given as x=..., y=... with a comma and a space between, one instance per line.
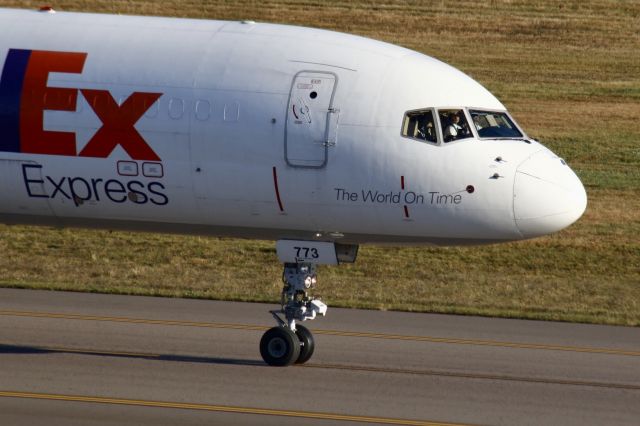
x=289, y=343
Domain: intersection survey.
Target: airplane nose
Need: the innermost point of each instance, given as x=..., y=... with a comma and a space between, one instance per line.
x=548, y=196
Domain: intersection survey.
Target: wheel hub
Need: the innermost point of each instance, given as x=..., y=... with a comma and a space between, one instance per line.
x=277, y=347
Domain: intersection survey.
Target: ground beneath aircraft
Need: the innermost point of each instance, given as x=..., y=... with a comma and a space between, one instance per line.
x=73, y=358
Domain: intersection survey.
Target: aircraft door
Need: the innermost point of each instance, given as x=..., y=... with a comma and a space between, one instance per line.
x=312, y=121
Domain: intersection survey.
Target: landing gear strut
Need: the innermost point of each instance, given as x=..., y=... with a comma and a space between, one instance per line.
x=288, y=342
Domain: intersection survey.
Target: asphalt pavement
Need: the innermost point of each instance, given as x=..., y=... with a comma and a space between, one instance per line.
x=90, y=359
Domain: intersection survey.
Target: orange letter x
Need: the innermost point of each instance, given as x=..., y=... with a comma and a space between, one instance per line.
x=118, y=125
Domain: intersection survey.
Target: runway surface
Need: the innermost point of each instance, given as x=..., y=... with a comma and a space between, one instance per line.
x=85, y=359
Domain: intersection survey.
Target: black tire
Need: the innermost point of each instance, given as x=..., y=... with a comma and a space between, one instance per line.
x=307, y=344
x=279, y=347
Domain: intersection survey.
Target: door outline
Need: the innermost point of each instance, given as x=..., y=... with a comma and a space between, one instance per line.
x=330, y=110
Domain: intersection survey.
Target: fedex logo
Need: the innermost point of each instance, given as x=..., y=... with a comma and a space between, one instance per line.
x=24, y=96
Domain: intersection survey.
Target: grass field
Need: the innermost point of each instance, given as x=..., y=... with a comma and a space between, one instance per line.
x=568, y=71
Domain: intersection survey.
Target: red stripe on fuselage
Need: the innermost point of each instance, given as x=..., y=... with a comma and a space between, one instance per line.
x=406, y=209
x=275, y=185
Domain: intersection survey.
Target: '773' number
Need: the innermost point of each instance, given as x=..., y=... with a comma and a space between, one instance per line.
x=306, y=252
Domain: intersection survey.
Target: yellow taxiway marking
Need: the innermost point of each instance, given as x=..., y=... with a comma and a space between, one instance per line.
x=430, y=339
x=223, y=408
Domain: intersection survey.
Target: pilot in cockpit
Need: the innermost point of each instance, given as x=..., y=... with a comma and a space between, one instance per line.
x=476, y=122
x=426, y=129
x=453, y=130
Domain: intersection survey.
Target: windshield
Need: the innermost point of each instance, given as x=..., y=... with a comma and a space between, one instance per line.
x=491, y=124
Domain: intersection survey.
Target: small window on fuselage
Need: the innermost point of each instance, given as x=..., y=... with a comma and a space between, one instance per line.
x=420, y=125
x=454, y=125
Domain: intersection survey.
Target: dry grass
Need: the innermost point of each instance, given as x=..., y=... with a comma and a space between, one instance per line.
x=568, y=71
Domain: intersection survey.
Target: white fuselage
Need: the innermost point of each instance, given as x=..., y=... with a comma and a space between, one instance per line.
x=257, y=131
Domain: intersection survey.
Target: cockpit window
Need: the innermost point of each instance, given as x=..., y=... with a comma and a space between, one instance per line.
x=454, y=125
x=420, y=125
x=491, y=124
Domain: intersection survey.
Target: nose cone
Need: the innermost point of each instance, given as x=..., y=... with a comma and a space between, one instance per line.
x=548, y=196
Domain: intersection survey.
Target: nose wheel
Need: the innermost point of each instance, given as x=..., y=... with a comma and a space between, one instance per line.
x=281, y=347
x=307, y=344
